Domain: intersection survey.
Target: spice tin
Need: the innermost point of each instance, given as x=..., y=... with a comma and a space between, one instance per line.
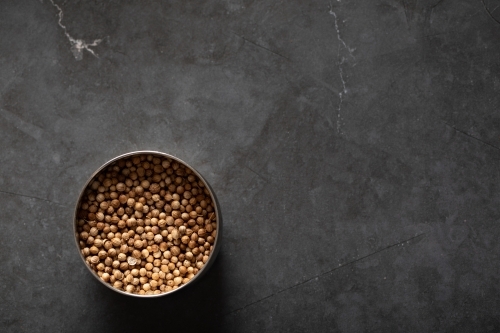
x=217, y=242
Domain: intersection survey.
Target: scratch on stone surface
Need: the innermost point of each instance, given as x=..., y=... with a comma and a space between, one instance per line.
x=260, y=46
x=339, y=65
x=440, y=34
x=471, y=136
x=432, y=10
x=34, y=131
x=77, y=45
x=437, y=3
x=489, y=13
x=258, y=174
x=31, y=197
x=327, y=272
x=406, y=14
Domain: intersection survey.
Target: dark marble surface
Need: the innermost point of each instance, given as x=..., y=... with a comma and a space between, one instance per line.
x=354, y=147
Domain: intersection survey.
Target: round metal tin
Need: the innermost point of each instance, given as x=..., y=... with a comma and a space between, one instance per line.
x=217, y=242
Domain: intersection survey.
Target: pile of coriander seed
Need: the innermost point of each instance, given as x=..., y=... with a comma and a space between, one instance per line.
x=146, y=224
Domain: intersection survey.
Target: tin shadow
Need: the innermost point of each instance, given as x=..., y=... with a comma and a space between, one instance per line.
x=200, y=306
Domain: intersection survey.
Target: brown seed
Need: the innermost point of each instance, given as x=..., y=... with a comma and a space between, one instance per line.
x=93, y=232
x=154, y=188
x=158, y=238
x=175, y=234
x=120, y=187
x=107, y=260
x=94, y=260
x=139, y=189
x=182, y=230
x=102, y=254
x=98, y=243
x=118, y=274
x=112, y=252
x=175, y=205
x=84, y=235
x=136, y=253
x=123, y=198
x=116, y=242
x=123, y=249
x=175, y=250
x=177, y=280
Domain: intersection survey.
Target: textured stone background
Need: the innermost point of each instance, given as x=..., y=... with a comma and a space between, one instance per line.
x=354, y=147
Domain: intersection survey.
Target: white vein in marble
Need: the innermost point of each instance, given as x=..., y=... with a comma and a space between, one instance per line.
x=339, y=64
x=77, y=45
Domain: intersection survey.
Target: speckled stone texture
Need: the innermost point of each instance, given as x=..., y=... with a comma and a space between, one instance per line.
x=354, y=147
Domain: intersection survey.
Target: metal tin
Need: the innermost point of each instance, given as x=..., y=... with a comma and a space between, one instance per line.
x=217, y=242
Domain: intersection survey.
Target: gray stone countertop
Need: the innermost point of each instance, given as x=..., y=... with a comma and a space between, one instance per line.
x=354, y=147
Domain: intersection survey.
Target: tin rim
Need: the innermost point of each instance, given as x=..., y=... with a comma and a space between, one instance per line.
x=218, y=219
